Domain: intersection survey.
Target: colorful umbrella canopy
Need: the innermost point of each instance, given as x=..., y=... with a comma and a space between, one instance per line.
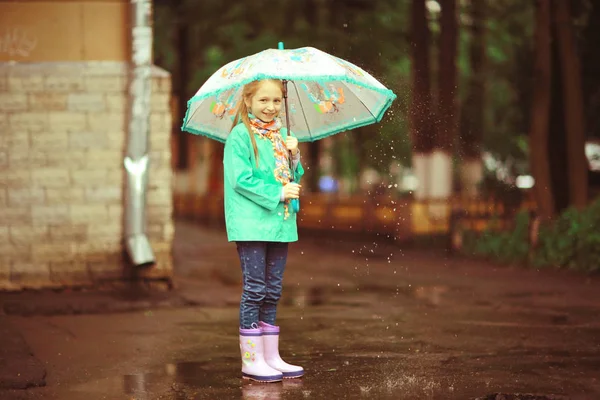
x=326, y=94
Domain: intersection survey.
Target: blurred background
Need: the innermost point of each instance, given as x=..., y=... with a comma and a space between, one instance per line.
x=491, y=149
x=489, y=156
x=495, y=128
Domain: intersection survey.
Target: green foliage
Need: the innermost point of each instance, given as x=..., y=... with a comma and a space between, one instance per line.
x=503, y=246
x=163, y=49
x=372, y=34
x=509, y=76
x=571, y=241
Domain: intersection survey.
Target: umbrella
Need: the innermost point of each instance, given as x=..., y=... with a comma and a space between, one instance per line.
x=326, y=94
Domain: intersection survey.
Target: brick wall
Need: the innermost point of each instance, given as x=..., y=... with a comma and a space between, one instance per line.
x=62, y=143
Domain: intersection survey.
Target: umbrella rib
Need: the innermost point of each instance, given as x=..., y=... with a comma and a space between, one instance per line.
x=302, y=108
x=192, y=115
x=361, y=102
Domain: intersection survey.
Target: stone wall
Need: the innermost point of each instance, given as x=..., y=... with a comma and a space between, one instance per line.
x=62, y=143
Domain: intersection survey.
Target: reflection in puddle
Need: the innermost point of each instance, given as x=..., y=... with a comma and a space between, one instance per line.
x=433, y=295
x=182, y=380
x=270, y=391
x=203, y=380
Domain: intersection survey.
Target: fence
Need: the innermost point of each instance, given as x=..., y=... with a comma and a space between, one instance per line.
x=402, y=219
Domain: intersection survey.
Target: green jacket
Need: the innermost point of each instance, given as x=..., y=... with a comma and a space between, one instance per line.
x=253, y=207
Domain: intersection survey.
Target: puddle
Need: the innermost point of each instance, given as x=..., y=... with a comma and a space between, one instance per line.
x=328, y=377
x=185, y=380
x=341, y=364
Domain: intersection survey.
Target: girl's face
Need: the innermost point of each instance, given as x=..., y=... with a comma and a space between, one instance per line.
x=266, y=102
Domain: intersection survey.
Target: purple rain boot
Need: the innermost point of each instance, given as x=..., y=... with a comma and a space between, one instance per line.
x=254, y=366
x=272, y=357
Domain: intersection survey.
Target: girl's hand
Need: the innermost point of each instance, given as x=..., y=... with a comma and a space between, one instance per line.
x=291, y=191
x=292, y=144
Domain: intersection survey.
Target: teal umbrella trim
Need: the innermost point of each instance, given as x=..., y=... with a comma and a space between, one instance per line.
x=321, y=79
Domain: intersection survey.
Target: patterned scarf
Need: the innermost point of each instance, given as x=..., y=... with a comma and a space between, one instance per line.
x=270, y=131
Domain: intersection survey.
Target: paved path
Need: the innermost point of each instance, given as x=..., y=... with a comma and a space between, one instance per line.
x=368, y=320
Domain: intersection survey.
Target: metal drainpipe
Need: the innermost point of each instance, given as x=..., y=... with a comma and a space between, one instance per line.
x=137, y=159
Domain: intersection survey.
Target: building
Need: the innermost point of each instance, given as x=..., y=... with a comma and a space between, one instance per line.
x=64, y=74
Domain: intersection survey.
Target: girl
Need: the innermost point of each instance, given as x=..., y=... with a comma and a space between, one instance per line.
x=260, y=219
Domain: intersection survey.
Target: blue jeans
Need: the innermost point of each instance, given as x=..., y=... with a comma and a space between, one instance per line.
x=263, y=264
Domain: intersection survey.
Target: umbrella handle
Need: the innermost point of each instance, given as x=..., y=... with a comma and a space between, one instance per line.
x=295, y=203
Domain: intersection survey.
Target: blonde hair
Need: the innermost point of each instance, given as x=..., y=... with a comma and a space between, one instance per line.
x=248, y=93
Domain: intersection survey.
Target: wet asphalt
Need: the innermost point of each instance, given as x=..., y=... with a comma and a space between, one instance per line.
x=366, y=318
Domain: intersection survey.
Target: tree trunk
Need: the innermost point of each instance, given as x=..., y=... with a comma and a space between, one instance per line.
x=203, y=165
x=311, y=9
x=446, y=111
x=540, y=113
x=446, y=121
x=573, y=110
x=590, y=70
x=180, y=84
x=311, y=164
x=215, y=176
x=472, y=110
x=557, y=140
x=421, y=129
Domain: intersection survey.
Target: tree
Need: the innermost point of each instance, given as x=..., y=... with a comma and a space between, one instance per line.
x=311, y=9
x=446, y=122
x=540, y=114
x=509, y=80
x=420, y=125
x=381, y=37
x=573, y=110
x=557, y=121
x=182, y=77
x=590, y=63
x=472, y=109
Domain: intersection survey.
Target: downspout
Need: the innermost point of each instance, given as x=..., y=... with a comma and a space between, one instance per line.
x=137, y=158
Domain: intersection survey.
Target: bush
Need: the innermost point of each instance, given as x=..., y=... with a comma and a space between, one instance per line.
x=503, y=246
x=571, y=241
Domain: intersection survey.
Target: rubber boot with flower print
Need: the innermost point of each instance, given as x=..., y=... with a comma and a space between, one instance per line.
x=272, y=357
x=254, y=366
